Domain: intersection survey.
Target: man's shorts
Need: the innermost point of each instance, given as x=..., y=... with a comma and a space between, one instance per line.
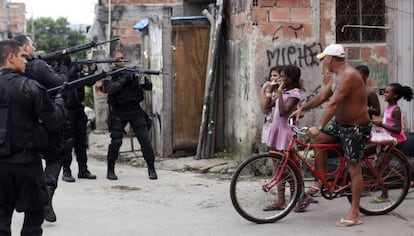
x=352, y=137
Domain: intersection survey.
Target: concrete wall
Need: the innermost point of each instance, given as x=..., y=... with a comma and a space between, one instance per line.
x=401, y=52
x=278, y=33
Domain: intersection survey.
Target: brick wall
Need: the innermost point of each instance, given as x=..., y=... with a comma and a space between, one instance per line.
x=284, y=18
x=141, y=1
x=12, y=18
x=17, y=18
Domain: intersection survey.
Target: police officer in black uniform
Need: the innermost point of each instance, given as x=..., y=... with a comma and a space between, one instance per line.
x=75, y=126
x=40, y=71
x=22, y=180
x=125, y=92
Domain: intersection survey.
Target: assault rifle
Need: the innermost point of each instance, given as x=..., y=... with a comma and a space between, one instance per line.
x=59, y=53
x=85, y=80
x=92, y=61
x=140, y=70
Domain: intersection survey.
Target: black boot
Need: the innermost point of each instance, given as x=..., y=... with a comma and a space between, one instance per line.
x=67, y=175
x=84, y=173
x=111, y=171
x=151, y=170
x=48, y=212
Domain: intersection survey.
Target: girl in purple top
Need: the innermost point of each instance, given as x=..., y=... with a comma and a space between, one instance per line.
x=288, y=98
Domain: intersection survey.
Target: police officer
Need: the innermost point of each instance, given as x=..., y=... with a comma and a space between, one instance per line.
x=22, y=180
x=125, y=92
x=75, y=127
x=40, y=71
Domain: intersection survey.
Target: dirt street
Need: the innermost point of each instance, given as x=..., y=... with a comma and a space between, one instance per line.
x=189, y=204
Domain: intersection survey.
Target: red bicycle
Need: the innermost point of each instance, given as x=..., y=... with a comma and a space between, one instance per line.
x=259, y=179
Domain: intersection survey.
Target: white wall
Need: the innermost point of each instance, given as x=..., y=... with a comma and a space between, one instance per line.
x=401, y=52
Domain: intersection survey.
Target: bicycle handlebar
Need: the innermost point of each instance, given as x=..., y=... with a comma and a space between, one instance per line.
x=293, y=125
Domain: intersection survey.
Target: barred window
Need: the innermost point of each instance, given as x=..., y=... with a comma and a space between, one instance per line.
x=356, y=21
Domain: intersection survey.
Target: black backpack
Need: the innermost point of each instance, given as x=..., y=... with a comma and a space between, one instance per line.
x=5, y=119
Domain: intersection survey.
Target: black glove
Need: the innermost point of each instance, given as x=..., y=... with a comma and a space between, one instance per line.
x=59, y=99
x=74, y=71
x=60, y=102
x=132, y=77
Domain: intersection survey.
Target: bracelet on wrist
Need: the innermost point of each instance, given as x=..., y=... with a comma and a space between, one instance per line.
x=268, y=95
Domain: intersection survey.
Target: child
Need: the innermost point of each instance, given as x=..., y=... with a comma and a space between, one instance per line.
x=267, y=100
x=392, y=120
x=287, y=99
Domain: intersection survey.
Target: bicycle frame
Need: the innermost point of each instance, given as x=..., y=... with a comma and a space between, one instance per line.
x=264, y=179
x=331, y=180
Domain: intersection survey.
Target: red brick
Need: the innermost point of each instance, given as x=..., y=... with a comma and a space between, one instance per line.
x=287, y=3
x=288, y=32
x=304, y=3
x=240, y=19
x=279, y=14
x=366, y=53
x=267, y=3
x=259, y=14
x=301, y=14
x=270, y=29
x=380, y=51
x=307, y=31
x=327, y=1
x=326, y=26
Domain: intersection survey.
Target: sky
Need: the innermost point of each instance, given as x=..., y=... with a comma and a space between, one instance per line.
x=75, y=11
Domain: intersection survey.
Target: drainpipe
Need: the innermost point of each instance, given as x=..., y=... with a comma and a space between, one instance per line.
x=108, y=36
x=209, y=76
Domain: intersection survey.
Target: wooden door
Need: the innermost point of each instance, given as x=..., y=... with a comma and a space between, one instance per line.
x=189, y=62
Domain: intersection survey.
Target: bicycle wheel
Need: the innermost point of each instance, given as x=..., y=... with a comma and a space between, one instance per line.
x=249, y=193
x=396, y=182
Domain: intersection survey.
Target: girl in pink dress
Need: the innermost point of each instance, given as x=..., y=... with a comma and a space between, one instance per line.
x=288, y=96
x=392, y=120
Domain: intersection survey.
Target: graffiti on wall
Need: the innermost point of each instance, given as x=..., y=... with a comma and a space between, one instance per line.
x=312, y=94
x=302, y=56
x=378, y=72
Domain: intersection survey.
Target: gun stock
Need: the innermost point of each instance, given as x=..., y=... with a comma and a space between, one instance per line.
x=85, y=80
x=55, y=55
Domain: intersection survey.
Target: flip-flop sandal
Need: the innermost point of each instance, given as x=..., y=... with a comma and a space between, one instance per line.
x=313, y=191
x=274, y=207
x=380, y=200
x=347, y=223
x=301, y=207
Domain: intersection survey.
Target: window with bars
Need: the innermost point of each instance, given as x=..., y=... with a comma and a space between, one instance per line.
x=356, y=21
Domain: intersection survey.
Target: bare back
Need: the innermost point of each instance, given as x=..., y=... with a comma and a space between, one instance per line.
x=350, y=97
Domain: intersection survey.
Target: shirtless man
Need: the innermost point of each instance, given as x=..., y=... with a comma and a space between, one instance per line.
x=351, y=125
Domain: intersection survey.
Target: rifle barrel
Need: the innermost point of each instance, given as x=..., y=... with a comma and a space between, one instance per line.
x=92, y=61
x=85, y=80
x=73, y=49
